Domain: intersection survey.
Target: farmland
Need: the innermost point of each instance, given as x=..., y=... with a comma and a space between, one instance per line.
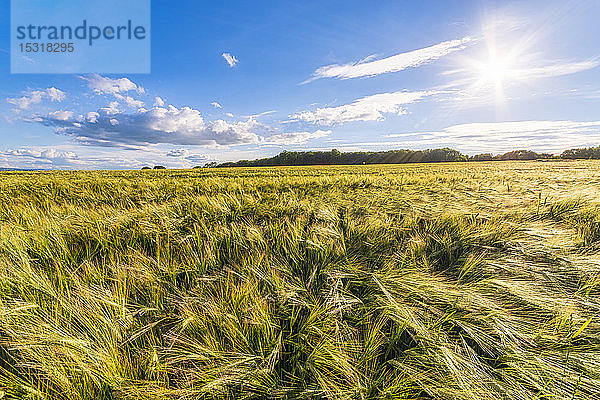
x=421, y=281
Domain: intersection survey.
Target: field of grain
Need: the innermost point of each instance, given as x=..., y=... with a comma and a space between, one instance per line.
x=429, y=281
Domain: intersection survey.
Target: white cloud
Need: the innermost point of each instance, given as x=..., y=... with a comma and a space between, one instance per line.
x=216, y=105
x=395, y=63
x=104, y=85
x=55, y=158
x=50, y=153
x=113, y=108
x=159, y=102
x=61, y=115
x=36, y=96
x=31, y=158
x=297, y=137
x=131, y=102
x=55, y=94
x=230, y=58
x=109, y=126
x=185, y=126
x=230, y=115
x=369, y=108
x=77, y=157
x=92, y=117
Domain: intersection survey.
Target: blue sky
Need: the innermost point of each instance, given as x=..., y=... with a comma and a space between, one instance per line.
x=240, y=80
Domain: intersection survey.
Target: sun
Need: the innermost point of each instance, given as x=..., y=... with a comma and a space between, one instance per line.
x=498, y=66
x=492, y=71
x=496, y=70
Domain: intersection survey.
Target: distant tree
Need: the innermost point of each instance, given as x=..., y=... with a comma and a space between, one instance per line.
x=584, y=153
x=143, y=168
x=523, y=155
x=159, y=167
x=211, y=164
x=482, y=157
x=335, y=157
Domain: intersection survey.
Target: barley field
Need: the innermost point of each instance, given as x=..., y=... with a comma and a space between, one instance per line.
x=425, y=281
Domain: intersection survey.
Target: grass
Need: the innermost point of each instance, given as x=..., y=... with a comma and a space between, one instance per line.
x=433, y=281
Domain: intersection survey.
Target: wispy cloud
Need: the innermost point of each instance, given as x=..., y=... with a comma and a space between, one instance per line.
x=296, y=137
x=398, y=62
x=262, y=114
x=178, y=153
x=216, y=105
x=369, y=108
x=230, y=59
x=534, y=69
x=186, y=155
x=36, y=96
x=555, y=69
x=549, y=136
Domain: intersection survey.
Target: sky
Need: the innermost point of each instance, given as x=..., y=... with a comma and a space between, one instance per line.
x=235, y=80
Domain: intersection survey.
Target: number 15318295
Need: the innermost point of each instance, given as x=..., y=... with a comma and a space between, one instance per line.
x=46, y=47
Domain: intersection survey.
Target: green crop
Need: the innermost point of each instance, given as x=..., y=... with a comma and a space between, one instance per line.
x=424, y=281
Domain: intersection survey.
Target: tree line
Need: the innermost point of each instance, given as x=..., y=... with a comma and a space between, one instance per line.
x=335, y=157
